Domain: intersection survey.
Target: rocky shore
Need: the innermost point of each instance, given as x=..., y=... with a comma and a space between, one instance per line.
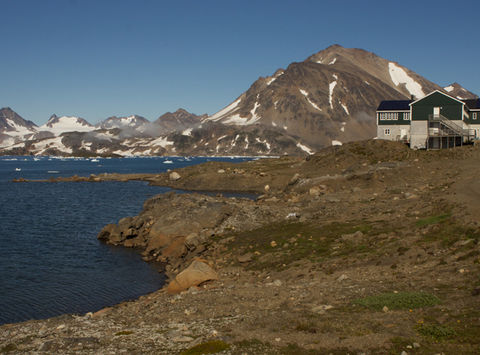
x=365, y=248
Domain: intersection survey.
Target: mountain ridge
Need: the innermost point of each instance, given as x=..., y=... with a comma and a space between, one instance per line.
x=327, y=99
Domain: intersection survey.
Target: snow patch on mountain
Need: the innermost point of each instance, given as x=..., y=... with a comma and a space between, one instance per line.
x=187, y=132
x=345, y=108
x=50, y=143
x=304, y=93
x=161, y=141
x=331, y=86
x=400, y=76
x=448, y=88
x=305, y=148
x=66, y=124
x=335, y=142
x=333, y=61
x=230, y=108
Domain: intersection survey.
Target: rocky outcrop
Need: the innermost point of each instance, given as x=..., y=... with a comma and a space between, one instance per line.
x=175, y=228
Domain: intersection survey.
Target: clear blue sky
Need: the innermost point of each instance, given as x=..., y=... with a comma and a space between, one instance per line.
x=95, y=59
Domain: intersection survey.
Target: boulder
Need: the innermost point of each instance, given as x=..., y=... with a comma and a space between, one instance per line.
x=197, y=273
x=174, y=176
x=111, y=234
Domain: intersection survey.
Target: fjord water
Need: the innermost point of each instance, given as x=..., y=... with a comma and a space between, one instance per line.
x=50, y=260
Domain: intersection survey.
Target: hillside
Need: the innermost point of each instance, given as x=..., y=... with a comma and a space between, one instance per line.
x=356, y=249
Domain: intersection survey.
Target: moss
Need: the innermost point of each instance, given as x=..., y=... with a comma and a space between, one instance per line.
x=295, y=241
x=436, y=331
x=210, y=347
x=433, y=220
x=397, y=301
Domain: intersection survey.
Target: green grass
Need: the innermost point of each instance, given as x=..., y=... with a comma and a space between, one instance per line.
x=296, y=241
x=436, y=331
x=433, y=220
x=398, y=301
x=210, y=347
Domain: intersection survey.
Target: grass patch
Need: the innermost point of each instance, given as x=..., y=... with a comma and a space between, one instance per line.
x=124, y=332
x=436, y=331
x=433, y=220
x=210, y=347
x=398, y=301
x=309, y=327
x=288, y=242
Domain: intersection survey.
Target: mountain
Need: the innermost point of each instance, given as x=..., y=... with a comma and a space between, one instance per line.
x=179, y=120
x=456, y=90
x=134, y=122
x=329, y=98
x=14, y=128
x=58, y=125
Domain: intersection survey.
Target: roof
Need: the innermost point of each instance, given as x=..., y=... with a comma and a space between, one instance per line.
x=439, y=92
x=472, y=104
x=394, y=105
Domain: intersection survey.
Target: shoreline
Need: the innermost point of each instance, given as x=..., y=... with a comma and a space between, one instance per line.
x=293, y=267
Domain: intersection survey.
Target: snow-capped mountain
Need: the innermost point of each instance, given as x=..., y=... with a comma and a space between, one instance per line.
x=59, y=125
x=329, y=98
x=14, y=128
x=134, y=122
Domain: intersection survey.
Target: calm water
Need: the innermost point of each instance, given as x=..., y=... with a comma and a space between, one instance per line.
x=50, y=260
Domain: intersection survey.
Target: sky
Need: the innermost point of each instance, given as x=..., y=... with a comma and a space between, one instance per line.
x=102, y=58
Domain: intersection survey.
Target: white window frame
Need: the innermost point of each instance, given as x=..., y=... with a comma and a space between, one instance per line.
x=387, y=131
x=474, y=115
x=406, y=116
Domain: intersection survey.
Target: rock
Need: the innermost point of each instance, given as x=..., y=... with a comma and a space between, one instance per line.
x=192, y=241
x=197, y=273
x=385, y=309
x=416, y=345
x=110, y=234
x=245, y=258
x=174, y=176
x=267, y=188
x=273, y=244
x=352, y=236
x=321, y=309
x=404, y=353
x=221, y=171
x=342, y=277
x=317, y=190
x=277, y=283
x=294, y=179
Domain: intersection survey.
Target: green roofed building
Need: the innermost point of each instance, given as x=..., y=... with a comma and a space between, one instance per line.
x=435, y=121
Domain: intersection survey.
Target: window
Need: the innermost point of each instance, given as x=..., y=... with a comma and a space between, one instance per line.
x=387, y=131
x=406, y=116
x=474, y=116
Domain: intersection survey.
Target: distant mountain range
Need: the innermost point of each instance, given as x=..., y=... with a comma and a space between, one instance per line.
x=327, y=99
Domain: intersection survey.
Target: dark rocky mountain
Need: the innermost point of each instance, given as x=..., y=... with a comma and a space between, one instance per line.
x=329, y=98
x=12, y=121
x=179, y=120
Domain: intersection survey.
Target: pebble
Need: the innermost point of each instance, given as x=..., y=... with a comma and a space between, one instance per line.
x=342, y=277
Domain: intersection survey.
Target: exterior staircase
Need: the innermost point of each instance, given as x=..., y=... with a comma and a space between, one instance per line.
x=447, y=128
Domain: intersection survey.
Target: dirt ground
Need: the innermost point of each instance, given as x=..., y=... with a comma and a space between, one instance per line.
x=371, y=248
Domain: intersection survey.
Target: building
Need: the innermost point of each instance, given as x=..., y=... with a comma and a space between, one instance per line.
x=435, y=121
